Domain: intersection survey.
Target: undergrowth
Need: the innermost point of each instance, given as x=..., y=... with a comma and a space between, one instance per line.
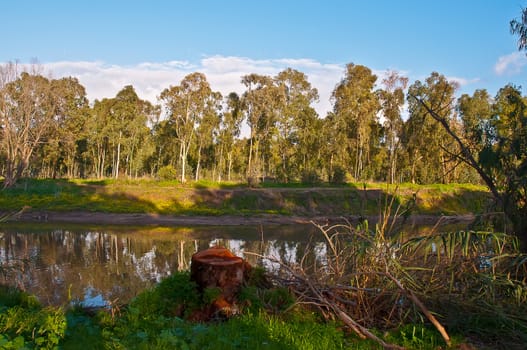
x=157, y=319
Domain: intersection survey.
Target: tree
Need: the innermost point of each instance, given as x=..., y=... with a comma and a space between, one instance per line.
x=519, y=27
x=128, y=127
x=207, y=128
x=333, y=141
x=186, y=106
x=356, y=106
x=295, y=122
x=27, y=110
x=496, y=148
x=260, y=103
x=392, y=101
x=70, y=119
x=430, y=151
x=230, y=126
x=97, y=131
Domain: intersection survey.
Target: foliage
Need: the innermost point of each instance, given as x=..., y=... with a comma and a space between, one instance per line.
x=355, y=111
x=25, y=324
x=519, y=27
x=338, y=176
x=167, y=172
x=174, y=296
x=311, y=177
x=493, y=144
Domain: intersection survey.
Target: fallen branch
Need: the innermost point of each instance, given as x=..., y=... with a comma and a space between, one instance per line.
x=422, y=307
x=318, y=294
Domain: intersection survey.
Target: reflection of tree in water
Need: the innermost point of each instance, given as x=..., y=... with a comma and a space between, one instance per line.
x=62, y=264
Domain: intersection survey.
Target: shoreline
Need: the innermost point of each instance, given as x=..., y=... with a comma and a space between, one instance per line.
x=100, y=218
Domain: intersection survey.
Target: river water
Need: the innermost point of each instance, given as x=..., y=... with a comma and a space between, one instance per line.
x=110, y=265
x=101, y=266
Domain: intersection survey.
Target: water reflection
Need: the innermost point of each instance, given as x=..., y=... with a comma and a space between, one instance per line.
x=112, y=265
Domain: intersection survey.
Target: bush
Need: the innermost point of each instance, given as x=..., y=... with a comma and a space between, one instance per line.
x=176, y=295
x=168, y=172
x=310, y=177
x=338, y=176
x=22, y=327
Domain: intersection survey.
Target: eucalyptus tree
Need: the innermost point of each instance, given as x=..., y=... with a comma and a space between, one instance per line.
x=97, y=132
x=431, y=152
x=495, y=146
x=207, y=128
x=186, y=105
x=127, y=127
x=295, y=123
x=27, y=111
x=475, y=114
x=505, y=159
x=392, y=101
x=261, y=106
x=334, y=159
x=355, y=107
x=230, y=128
x=68, y=134
x=519, y=27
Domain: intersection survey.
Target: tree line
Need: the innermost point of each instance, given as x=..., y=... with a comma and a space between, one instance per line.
x=49, y=129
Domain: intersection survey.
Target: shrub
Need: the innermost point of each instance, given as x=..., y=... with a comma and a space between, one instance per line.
x=174, y=296
x=338, y=176
x=310, y=177
x=32, y=328
x=168, y=172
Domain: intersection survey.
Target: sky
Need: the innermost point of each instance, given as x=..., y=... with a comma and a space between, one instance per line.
x=108, y=44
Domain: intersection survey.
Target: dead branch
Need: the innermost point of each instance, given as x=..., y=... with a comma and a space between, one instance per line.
x=317, y=293
x=421, y=306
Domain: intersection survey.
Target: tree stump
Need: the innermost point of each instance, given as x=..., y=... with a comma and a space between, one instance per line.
x=217, y=267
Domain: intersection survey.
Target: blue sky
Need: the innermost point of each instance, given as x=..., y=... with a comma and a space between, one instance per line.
x=154, y=44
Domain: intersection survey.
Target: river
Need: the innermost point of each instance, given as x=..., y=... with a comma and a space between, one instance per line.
x=110, y=265
x=106, y=265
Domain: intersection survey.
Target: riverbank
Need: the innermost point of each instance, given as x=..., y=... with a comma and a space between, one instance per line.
x=154, y=202
x=80, y=217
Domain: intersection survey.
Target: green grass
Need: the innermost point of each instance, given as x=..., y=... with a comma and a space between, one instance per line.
x=214, y=199
x=210, y=198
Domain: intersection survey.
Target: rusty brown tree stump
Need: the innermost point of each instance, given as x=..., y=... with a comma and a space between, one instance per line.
x=217, y=267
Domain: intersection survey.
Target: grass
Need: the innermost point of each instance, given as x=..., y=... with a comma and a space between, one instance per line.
x=210, y=198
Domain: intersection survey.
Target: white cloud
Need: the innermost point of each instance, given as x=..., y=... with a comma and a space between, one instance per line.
x=463, y=81
x=510, y=64
x=224, y=74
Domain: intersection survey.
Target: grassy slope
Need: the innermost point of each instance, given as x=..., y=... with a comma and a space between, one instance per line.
x=172, y=198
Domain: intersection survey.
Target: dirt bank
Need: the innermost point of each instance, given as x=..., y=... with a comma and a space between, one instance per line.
x=79, y=217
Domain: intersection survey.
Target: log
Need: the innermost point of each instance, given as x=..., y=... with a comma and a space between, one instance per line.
x=218, y=267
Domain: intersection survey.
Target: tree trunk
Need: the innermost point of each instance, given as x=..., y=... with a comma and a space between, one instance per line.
x=198, y=163
x=218, y=268
x=230, y=167
x=182, y=155
x=118, y=156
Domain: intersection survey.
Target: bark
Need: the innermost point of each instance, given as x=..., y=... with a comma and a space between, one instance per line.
x=217, y=267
